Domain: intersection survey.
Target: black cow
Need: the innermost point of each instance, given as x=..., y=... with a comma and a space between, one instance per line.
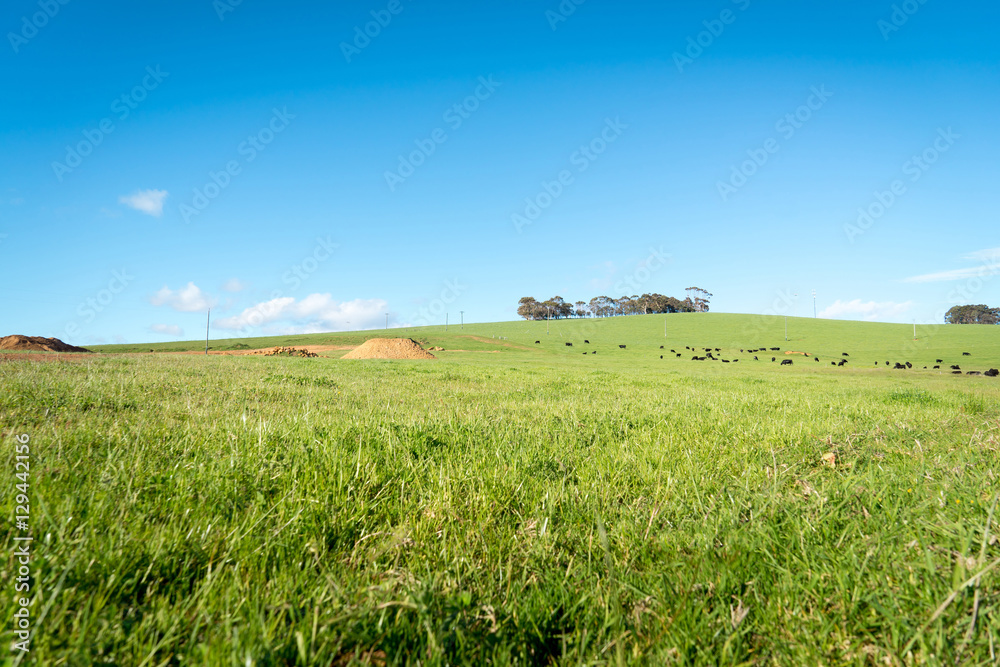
x=973, y=373
x=661, y=356
x=936, y=367
x=621, y=347
x=594, y=352
x=786, y=362
x=725, y=361
x=587, y=342
x=899, y=366
x=773, y=359
x=992, y=373
x=956, y=372
x=833, y=363
x=775, y=349
x=909, y=365
x=939, y=361
x=966, y=354
x=569, y=344
x=815, y=358
x=755, y=358
x=956, y=368
x=661, y=347
x=537, y=342
x=678, y=355
x=844, y=354
x=843, y=362
x=887, y=363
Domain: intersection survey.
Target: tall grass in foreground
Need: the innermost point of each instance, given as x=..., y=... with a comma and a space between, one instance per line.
x=269, y=511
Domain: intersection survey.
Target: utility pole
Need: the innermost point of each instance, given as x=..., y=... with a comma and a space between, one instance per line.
x=387, y=321
x=786, y=328
x=446, y=321
x=462, y=313
x=814, y=305
x=208, y=322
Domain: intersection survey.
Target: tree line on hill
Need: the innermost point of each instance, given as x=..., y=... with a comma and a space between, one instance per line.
x=605, y=306
x=978, y=314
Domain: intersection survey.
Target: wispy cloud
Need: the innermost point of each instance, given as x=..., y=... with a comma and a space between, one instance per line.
x=989, y=266
x=870, y=311
x=167, y=329
x=188, y=299
x=313, y=314
x=234, y=285
x=146, y=201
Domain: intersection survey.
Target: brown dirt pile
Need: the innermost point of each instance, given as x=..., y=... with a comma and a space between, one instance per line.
x=19, y=343
x=389, y=348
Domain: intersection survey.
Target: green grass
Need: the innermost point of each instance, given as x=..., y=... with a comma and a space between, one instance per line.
x=527, y=506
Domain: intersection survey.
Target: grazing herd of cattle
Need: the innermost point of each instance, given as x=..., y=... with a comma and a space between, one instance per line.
x=710, y=356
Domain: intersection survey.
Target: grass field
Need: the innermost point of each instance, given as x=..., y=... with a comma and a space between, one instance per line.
x=517, y=503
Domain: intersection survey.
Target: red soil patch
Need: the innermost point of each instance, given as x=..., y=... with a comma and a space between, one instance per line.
x=18, y=343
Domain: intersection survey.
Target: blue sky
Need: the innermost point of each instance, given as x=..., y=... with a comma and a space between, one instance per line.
x=272, y=161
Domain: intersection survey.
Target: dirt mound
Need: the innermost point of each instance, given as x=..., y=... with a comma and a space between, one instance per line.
x=389, y=348
x=19, y=343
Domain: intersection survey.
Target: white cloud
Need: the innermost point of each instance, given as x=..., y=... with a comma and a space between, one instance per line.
x=956, y=274
x=147, y=201
x=990, y=255
x=870, y=311
x=188, y=299
x=315, y=313
x=167, y=329
x=234, y=285
x=990, y=266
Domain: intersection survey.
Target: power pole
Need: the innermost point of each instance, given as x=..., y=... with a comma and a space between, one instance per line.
x=208, y=322
x=387, y=321
x=446, y=321
x=814, y=305
x=462, y=313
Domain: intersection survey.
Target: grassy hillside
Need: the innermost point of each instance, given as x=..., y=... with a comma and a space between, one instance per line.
x=516, y=503
x=866, y=342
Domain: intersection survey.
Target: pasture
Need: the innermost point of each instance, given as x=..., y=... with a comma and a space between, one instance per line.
x=518, y=503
